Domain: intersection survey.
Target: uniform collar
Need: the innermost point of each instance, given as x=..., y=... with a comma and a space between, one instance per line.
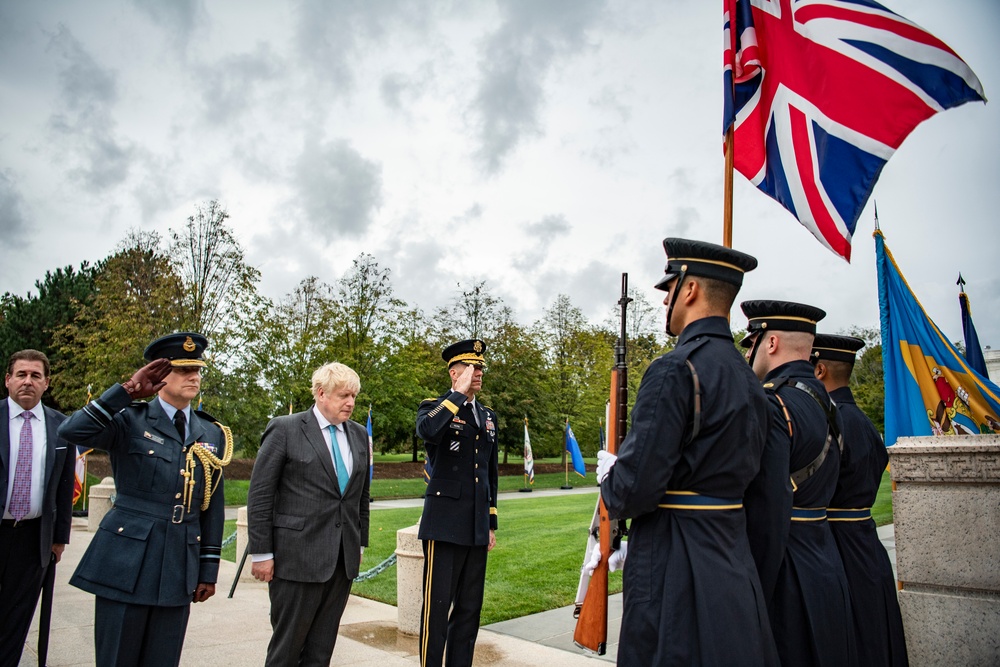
x=706, y=326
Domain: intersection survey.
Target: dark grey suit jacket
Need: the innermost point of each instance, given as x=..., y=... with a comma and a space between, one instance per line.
x=57, y=498
x=295, y=509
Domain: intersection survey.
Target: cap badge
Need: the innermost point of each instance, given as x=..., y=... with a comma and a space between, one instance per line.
x=477, y=346
x=189, y=345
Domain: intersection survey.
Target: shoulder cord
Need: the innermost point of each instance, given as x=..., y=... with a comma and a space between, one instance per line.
x=212, y=464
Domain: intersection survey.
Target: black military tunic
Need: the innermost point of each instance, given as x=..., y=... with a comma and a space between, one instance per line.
x=460, y=510
x=691, y=592
x=877, y=622
x=793, y=546
x=155, y=545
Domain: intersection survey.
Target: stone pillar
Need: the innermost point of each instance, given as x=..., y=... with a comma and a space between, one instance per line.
x=241, y=544
x=409, y=579
x=946, y=511
x=99, y=502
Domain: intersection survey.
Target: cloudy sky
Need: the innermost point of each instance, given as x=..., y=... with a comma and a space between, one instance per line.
x=545, y=147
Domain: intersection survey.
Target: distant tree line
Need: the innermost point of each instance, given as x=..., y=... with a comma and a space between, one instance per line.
x=94, y=321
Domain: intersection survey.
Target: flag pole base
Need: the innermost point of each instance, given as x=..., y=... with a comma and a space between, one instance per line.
x=525, y=490
x=565, y=487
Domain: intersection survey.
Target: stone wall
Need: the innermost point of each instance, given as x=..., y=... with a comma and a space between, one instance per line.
x=946, y=510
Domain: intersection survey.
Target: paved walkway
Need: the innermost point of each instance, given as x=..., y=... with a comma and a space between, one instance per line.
x=234, y=632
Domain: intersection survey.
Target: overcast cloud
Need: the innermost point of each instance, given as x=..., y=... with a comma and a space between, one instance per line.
x=544, y=147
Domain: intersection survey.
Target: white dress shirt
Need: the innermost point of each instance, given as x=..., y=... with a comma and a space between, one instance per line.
x=38, y=443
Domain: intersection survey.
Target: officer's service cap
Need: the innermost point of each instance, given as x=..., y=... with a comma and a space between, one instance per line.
x=767, y=315
x=698, y=258
x=836, y=348
x=465, y=352
x=182, y=349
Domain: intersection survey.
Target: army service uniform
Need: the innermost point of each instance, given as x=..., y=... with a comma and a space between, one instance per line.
x=459, y=513
x=797, y=558
x=691, y=592
x=878, y=625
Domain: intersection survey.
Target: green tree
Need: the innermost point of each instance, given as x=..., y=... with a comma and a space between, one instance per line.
x=30, y=321
x=867, y=380
x=134, y=301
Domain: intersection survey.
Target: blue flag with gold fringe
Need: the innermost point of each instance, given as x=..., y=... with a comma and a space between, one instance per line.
x=930, y=388
x=573, y=447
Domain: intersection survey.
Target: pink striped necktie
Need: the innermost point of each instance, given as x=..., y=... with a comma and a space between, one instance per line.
x=20, y=497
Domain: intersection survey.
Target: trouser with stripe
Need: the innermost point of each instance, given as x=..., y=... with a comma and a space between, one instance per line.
x=454, y=577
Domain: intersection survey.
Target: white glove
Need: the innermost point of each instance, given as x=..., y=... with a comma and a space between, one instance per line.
x=617, y=559
x=604, y=463
x=615, y=562
x=595, y=560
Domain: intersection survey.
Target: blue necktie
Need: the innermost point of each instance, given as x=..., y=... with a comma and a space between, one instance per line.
x=339, y=459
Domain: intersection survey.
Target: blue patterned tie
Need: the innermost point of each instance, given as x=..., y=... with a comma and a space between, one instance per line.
x=338, y=457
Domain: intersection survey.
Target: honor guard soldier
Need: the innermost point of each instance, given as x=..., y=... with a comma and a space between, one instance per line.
x=699, y=423
x=460, y=508
x=878, y=625
x=158, y=548
x=799, y=565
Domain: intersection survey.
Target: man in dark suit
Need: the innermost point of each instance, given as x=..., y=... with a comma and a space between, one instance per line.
x=307, y=515
x=460, y=508
x=36, y=492
x=878, y=624
x=158, y=549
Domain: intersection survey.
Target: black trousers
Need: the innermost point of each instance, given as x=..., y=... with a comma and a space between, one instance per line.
x=138, y=635
x=305, y=618
x=21, y=577
x=454, y=577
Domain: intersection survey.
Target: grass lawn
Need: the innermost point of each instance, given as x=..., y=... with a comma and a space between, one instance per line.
x=535, y=566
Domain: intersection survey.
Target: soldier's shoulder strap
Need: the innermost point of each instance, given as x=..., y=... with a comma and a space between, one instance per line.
x=684, y=354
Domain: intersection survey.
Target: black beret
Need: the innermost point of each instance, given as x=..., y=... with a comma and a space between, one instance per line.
x=182, y=349
x=465, y=352
x=767, y=315
x=836, y=348
x=698, y=258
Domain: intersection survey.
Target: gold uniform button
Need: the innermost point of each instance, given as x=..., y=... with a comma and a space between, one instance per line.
x=438, y=493
x=177, y=496
x=477, y=480
x=183, y=449
x=151, y=452
x=199, y=538
x=477, y=437
x=182, y=471
x=121, y=529
x=477, y=465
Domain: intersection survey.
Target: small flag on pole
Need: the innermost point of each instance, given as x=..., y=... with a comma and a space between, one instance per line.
x=371, y=449
x=600, y=433
x=529, y=461
x=973, y=350
x=80, y=472
x=573, y=447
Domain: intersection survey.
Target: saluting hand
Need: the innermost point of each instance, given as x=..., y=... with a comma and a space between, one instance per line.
x=149, y=379
x=464, y=381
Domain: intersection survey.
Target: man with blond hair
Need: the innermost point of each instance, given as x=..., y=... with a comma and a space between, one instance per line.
x=307, y=511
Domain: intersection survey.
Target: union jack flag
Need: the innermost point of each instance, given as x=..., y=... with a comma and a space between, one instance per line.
x=822, y=93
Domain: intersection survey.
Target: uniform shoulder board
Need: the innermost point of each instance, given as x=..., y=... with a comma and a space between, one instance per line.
x=429, y=400
x=139, y=404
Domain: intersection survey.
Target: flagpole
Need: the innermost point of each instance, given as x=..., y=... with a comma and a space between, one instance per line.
x=727, y=195
x=525, y=488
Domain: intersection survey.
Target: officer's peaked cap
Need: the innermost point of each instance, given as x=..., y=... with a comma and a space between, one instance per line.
x=699, y=258
x=766, y=315
x=836, y=348
x=184, y=348
x=465, y=352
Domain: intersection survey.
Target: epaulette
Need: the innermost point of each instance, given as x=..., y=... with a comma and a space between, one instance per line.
x=431, y=399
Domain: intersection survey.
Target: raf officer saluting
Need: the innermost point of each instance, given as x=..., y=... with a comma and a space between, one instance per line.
x=800, y=568
x=158, y=548
x=460, y=508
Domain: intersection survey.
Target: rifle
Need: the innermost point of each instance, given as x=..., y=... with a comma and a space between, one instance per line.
x=591, y=609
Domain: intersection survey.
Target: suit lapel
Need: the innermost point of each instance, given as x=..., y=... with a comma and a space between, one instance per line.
x=314, y=439
x=6, y=474
x=51, y=442
x=158, y=420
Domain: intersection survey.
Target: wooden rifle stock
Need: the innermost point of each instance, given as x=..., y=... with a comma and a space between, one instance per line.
x=591, y=631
